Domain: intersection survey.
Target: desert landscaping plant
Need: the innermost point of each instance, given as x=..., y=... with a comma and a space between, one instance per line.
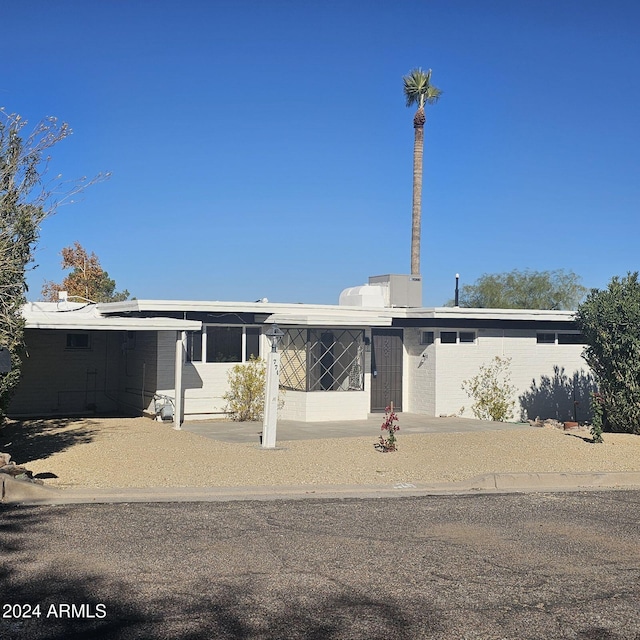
x=491, y=391
x=245, y=398
x=609, y=321
x=391, y=425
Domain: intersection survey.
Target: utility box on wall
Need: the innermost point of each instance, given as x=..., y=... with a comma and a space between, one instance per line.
x=400, y=290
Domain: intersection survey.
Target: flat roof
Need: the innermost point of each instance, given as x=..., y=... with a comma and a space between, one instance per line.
x=489, y=314
x=272, y=312
x=291, y=313
x=123, y=315
x=73, y=315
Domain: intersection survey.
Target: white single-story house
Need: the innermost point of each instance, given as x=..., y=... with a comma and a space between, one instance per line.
x=338, y=362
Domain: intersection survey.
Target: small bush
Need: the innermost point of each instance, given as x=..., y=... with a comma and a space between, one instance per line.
x=491, y=391
x=389, y=424
x=245, y=398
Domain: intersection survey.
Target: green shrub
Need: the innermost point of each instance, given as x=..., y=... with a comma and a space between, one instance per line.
x=491, y=391
x=596, y=425
x=609, y=321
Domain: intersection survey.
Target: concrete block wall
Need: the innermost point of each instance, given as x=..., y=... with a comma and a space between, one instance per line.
x=544, y=375
x=323, y=406
x=204, y=383
x=535, y=372
x=419, y=374
x=81, y=375
x=294, y=407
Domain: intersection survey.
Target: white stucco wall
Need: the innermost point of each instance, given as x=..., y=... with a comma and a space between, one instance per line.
x=419, y=388
x=323, y=406
x=206, y=383
x=432, y=380
x=436, y=386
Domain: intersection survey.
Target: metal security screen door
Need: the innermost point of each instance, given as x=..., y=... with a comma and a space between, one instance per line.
x=386, y=369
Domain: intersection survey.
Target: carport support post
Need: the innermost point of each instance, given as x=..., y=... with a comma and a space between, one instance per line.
x=177, y=403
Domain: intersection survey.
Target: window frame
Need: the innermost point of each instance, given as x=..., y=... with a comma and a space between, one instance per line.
x=562, y=335
x=427, y=337
x=255, y=330
x=77, y=334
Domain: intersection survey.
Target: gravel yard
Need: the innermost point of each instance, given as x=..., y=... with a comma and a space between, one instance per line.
x=138, y=452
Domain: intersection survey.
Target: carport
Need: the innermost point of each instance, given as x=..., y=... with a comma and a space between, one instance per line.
x=67, y=330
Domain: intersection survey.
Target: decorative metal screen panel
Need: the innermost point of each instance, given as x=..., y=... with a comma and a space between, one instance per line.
x=322, y=360
x=293, y=359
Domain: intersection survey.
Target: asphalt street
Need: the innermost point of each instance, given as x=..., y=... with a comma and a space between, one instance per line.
x=541, y=565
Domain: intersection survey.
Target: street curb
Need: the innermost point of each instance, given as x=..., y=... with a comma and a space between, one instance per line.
x=546, y=481
x=22, y=492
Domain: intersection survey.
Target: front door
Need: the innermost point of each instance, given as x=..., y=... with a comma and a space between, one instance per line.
x=386, y=369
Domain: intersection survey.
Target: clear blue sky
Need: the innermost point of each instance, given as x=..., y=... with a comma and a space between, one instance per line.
x=262, y=148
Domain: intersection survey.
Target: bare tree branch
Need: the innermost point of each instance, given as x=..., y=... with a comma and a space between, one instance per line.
x=27, y=197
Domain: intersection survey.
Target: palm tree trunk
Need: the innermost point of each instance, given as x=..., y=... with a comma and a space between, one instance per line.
x=416, y=218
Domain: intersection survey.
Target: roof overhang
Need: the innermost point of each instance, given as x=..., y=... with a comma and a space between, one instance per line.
x=319, y=315
x=127, y=315
x=330, y=320
x=490, y=314
x=71, y=316
x=486, y=318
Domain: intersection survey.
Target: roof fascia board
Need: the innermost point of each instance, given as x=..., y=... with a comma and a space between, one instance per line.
x=495, y=314
x=485, y=323
x=108, y=324
x=136, y=306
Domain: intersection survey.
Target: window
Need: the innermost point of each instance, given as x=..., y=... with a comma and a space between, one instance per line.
x=453, y=337
x=194, y=346
x=252, y=343
x=223, y=344
x=570, y=338
x=546, y=338
x=78, y=341
x=427, y=337
x=322, y=359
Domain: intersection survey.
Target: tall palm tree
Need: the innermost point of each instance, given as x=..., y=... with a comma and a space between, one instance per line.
x=418, y=90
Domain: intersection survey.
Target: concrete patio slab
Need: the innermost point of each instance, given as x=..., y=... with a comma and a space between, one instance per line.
x=226, y=431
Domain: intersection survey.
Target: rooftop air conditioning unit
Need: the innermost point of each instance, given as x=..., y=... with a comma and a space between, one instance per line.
x=400, y=290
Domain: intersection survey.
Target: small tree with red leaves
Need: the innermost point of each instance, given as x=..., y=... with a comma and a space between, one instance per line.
x=391, y=425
